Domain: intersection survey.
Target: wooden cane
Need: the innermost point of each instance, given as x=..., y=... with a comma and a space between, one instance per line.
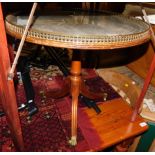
x=11, y=73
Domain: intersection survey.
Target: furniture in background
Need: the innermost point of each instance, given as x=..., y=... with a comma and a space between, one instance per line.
x=129, y=91
x=142, y=64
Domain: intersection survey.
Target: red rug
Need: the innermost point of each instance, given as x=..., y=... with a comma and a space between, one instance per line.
x=49, y=129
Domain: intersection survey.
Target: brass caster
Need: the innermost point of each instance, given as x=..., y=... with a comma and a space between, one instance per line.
x=73, y=141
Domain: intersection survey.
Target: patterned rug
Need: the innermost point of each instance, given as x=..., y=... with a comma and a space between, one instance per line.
x=49, y=129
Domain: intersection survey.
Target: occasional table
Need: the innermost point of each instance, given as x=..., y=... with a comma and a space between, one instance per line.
x=88, y=30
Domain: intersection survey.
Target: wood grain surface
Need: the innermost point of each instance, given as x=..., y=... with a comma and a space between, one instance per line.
x=113, y=124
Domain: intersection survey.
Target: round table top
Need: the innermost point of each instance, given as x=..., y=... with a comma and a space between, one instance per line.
x=80, y=30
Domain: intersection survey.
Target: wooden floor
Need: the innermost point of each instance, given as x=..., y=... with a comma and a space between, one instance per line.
x=113, y=124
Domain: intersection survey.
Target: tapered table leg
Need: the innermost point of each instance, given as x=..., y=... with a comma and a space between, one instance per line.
x=75, y=90
x=7, y=91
